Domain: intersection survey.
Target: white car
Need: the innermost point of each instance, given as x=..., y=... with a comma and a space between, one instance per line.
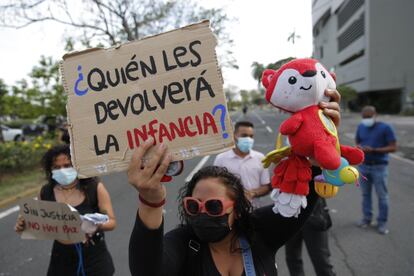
x=11, y=134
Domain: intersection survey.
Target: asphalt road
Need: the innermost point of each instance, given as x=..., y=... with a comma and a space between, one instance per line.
x=354, y=251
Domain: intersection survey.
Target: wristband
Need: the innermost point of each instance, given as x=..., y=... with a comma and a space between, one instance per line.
x=150, y=204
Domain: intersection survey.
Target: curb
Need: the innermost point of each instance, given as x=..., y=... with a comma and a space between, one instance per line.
x=15, y=198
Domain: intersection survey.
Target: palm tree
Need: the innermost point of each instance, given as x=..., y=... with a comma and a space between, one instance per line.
x=257, y=72
x=279, y=63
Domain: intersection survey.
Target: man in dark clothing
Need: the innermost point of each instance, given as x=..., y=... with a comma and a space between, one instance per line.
x=315, y=235
x=376, y=139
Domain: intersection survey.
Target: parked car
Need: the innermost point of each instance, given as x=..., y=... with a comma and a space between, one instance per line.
x=42, y=125
x=34, y=129
x=11, y=134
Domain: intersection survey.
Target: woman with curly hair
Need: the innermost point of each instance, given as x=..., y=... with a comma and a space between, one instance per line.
x=217, y=220
x=87, y=195
x=219, y=234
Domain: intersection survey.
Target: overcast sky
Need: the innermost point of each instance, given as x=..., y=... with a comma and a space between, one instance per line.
x=260, y=35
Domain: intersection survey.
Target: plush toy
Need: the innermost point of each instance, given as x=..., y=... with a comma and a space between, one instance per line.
x=298, y=87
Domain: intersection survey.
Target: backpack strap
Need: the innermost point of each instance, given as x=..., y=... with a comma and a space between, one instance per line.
x=248, y=263
x=194, y=248
x=193, y=259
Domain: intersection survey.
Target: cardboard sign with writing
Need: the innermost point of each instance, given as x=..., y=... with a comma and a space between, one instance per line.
x=48, y=220
x=167, y=86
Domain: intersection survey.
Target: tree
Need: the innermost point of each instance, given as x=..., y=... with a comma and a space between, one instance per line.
x=42, y=95
x=256, y=97
x=3, y=94
x=46, y=79
x=245, y=97
x=279, y=63
x=348, y=94
x=257, y=72
x=110, y=22
x=258, y=69
x=231, y=94
x=23, y=101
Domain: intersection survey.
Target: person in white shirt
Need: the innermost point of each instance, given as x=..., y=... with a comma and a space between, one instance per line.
x=246, y=163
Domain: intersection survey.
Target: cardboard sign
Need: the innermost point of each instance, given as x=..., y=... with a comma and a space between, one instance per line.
x=48, y=220
x=168, y=87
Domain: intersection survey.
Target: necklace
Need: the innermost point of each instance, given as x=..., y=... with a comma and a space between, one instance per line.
x=67, y=192
x=66, y=189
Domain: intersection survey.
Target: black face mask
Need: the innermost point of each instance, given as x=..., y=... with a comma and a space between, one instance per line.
x=210, y=229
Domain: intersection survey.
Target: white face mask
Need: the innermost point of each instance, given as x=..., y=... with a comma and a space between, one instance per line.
x=64, y=176
x=245, y=144
x=368, y=122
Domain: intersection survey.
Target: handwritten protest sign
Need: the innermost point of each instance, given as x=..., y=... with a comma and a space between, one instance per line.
x=47, y=220
x=168, y=87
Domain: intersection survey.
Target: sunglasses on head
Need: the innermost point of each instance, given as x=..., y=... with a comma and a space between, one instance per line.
x=214, y=207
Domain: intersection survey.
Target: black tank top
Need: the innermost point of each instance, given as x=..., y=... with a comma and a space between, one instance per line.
x=89, y=204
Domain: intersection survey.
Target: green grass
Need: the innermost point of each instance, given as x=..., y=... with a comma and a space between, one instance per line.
x=13, y=184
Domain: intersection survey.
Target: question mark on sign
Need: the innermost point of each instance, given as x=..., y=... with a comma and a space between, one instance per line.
x=222, y=117
x=79, y=92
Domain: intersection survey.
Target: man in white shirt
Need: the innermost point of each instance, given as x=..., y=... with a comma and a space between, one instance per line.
x=246, y=163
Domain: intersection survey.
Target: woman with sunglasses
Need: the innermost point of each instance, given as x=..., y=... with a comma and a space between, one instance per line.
x=219, y=235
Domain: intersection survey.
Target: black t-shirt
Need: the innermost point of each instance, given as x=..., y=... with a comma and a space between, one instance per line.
x=88, y=205
x=152, y=254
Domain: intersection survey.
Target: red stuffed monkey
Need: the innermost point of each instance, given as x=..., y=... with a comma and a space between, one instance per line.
x=297, y=87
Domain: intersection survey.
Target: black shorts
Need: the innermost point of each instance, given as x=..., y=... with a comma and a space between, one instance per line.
x=96, y=260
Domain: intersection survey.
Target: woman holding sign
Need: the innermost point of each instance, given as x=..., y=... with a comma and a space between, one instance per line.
x=220, y=235
x=87, y=196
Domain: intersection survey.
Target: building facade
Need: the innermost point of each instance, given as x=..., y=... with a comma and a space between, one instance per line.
x=369, y=44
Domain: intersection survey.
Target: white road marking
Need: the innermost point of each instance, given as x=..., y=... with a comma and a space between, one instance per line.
x=199, y=165
x=269, y=129
x=260, y=118
x=395, y=156
x=263, y=122
x=9, y=211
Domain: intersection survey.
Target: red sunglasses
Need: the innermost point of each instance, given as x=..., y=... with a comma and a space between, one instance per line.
x=214, y=207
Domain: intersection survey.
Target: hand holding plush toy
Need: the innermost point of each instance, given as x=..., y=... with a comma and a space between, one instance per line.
x=297, y=87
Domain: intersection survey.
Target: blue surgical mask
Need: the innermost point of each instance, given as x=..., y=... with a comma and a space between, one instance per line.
x=368, y=122
x=245, y=144
x=64, y=176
